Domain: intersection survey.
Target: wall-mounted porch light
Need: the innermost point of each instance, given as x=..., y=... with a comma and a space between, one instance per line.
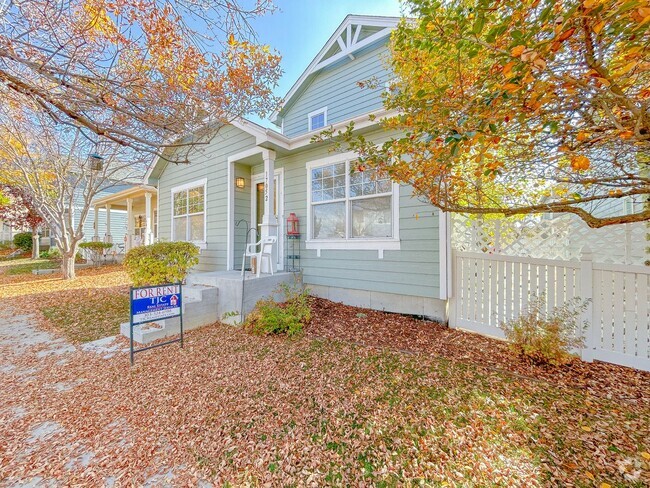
x=240, y=182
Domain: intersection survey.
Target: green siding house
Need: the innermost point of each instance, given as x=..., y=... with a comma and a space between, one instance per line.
x=364, y=241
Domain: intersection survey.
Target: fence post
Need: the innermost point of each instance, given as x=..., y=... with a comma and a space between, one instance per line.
x=586, y=293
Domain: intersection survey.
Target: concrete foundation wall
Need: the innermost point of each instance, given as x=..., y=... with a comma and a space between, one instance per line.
x=431, y=308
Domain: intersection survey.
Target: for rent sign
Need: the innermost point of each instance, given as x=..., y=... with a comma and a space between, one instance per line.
x=155, y=303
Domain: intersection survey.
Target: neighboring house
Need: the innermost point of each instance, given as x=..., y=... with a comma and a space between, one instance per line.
x=90, y=230
x=127, y=218
x=364, y=241
x=7, y=232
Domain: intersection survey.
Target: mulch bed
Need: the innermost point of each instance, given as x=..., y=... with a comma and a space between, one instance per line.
x=380, y=329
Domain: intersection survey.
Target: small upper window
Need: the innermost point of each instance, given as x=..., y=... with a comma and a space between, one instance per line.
x=317, y=119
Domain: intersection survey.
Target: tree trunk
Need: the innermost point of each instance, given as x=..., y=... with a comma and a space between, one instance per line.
x=36, y=241
x=67, y=266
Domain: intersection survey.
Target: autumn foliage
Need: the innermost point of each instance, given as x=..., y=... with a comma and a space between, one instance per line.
x=141, y=73
x=521, y=106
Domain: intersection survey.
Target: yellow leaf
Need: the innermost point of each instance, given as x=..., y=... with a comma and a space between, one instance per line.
x=628, y=67
x=231, y=39
x=582, y=136
x=590, y=3
x=582, y=158
x=517, y=50
x=646, y=455
x=590, y=476
x=599, y=26
x=511, y=87
x=605, y=485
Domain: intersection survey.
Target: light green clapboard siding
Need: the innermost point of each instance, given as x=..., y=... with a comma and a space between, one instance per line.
x=336, y=88
x=412, y=270
x=208, y=162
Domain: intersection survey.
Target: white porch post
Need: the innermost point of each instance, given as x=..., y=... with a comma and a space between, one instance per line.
x=147, y=221
x=129, y=224
x=269, y=222
x=96, y=235
x=108, y=237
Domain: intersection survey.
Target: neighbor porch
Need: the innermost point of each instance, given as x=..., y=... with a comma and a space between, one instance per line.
x=140, y=204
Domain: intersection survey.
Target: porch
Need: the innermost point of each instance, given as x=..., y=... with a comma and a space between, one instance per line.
x=140, y=204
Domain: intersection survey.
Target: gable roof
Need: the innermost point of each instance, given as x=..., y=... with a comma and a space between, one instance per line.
x=354, y=33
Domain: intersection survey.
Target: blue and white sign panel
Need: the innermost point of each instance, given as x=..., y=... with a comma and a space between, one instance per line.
x=155, y=303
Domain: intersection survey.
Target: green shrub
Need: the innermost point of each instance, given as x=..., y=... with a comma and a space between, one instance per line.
x=96, y=249
x=51, y=253
x=23, y=240
x=269, y=317
x=547, y=337
x=163, y=262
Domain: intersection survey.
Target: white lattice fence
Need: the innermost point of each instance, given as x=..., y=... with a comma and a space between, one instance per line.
x=489, y=289
x=550, y=237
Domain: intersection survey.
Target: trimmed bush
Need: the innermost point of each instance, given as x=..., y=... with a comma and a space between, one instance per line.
x=547, y=337
x=163, y=262
x=96, y=249
x=270, y=318
x=23, y=240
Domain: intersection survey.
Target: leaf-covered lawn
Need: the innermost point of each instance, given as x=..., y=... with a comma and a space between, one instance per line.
x=416, y=404
x=87, y=308
x=90, y=315
x=244, y=410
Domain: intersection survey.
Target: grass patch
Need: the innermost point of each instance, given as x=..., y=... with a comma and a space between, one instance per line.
x=90, y=317
x=26, y=266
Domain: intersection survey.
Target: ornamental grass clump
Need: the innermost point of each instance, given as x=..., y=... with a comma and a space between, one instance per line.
x=547, y=337
x=288, y=318
x=163, y=262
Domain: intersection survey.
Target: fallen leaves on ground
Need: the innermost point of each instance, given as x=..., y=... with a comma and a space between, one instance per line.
x=87, y=308
x=398, y=332
x=248, y=410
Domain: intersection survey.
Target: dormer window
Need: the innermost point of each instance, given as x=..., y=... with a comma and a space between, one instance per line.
x=317, y=119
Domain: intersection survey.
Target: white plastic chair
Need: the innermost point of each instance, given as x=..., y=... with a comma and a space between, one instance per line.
x=266, y=251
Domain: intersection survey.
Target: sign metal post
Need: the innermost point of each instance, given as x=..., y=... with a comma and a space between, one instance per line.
x=150, y=303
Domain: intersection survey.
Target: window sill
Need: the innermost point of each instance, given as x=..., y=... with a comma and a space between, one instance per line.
x=379, y=245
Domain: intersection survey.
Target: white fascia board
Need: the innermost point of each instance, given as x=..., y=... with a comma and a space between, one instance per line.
x=368, y=20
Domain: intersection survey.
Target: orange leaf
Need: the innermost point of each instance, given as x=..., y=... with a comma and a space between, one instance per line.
x=517, y=50
x=566, y=34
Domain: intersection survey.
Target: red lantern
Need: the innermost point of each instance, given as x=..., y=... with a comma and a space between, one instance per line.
x=293, y=225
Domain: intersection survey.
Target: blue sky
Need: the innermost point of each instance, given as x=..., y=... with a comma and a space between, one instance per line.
x=300, y=28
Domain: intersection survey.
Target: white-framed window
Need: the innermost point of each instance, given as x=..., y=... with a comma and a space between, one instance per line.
x=317, y=119
x=350, y=209
x=188, y=212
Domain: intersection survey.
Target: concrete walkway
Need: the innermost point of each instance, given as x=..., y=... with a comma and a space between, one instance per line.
x=25, y=351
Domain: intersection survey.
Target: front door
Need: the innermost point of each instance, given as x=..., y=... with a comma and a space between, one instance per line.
x=257, y=210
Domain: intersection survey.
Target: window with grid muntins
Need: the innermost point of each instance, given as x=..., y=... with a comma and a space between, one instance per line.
x=189, y=214
x=350, y=204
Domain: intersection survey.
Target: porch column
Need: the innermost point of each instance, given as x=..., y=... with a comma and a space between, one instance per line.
x=147, y=221
x=96, y=226
x=129, y=224
x=108, y=237
x=269, y=222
